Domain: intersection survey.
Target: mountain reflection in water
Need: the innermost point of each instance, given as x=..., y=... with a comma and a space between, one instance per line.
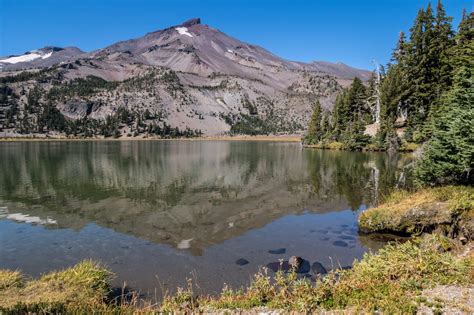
x=188, y=194
x=169, y=210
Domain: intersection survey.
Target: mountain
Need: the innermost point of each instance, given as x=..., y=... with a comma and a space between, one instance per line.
x=187, y=77
x=40, y=58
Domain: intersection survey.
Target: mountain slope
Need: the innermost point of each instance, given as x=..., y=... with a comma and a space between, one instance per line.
x=189, y=76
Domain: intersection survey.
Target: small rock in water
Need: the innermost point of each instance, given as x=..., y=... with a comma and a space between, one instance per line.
x=347, y=237
x=278, y=251
x=352, y=231
x=241, y=261
x=340, y=244
x=323, y=231
x=295, y=262
x=318, y=268
x=325, y=239
x=344, y=225
x=275, y=266
x=305, y=267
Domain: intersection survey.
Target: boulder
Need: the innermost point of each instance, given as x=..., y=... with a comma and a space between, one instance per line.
x=295, y=262
x=241, y=261
x=318, y=269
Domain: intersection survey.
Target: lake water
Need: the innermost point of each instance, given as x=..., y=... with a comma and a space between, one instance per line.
x=159, y=212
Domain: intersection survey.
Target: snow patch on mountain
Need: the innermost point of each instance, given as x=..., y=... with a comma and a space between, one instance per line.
x=22, y=58
x=183, y=31
x=47, y=55
x=26, y=57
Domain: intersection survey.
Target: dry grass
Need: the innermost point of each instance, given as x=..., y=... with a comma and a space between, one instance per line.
x=423, y=210
x=390, y=281
x=10, y=279
x=80, y=288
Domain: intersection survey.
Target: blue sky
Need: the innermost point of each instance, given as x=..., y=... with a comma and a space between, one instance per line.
x=351, y=31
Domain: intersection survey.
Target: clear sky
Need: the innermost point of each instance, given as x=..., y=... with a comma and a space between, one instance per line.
x=351, y=31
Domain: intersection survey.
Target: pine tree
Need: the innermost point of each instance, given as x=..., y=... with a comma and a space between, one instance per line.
x=400, y=53
x=441, y=44
x=341, y=116
x=326, y=126
x=449, y=155
x=462, y=54
x=418, y=71
x=357, y=101
x=314, y=127
x=393, y=100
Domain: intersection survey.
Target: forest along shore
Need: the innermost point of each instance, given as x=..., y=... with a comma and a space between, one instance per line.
x=431, y=272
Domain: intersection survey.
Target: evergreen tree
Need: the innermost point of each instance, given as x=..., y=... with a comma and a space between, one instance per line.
x=400, y=53
x=441, y=45
x=314, y=127
x=341, y=114
x=419, y=71
x=449, y=155
x=357, y=102
x=326, y=126
x=392, y=103
x=462, y=53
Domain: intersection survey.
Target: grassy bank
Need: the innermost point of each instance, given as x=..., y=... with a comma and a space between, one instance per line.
x=82, y=288
x=449, y=210
x=393, y=280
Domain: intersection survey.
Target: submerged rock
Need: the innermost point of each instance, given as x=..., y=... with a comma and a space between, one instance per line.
x=278, y=251
x=347, y=237
x=340, y=244
x=241, y=261
x=304, y=266
x=318, y=269
x=278, y=265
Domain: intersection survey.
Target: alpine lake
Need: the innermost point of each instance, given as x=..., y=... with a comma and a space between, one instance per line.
x=158, y=213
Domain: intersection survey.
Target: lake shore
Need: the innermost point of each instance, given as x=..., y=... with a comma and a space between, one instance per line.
x=429, y=273
x=270, y=138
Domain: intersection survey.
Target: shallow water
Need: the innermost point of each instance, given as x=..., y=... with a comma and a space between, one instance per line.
x=159, y=212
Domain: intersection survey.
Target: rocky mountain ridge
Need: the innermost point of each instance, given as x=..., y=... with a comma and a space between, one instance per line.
x=187, y=77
